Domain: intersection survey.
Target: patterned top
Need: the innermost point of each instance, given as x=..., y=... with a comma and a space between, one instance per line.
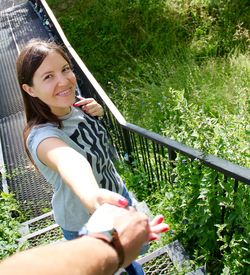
x=88, y=136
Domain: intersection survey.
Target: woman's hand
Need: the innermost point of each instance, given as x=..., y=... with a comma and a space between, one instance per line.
x=157, y=226
x=89, y=106
x=104, y=196
x=109, y=198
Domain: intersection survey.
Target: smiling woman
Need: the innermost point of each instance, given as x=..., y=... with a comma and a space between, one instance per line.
x=62, y=140
x=69, y=146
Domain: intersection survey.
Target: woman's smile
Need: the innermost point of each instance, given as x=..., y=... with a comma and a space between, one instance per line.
x=65, y=93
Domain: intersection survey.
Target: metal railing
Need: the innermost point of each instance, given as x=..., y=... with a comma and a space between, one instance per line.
x=155, y=152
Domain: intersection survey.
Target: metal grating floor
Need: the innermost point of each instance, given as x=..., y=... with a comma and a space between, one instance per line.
x=5, y=4
x=30, y=188
x=18, y=24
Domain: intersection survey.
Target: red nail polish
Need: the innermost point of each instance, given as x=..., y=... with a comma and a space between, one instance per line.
x=165, y=228
x=123, y=202
x=160, y=219
x=153, y=239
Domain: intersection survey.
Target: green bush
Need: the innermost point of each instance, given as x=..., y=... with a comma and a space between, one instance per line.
x=208, y=217
x=10, y=218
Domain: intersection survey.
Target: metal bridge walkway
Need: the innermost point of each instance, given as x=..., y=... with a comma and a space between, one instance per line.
x=18, y=24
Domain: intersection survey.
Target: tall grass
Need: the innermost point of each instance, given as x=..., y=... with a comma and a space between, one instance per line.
x=201, y=47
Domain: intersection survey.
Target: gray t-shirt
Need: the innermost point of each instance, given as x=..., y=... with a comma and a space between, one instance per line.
x=88, y=136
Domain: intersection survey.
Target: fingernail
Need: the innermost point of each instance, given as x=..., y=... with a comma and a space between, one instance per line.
x=123, y=202
x=153, y=239
x=160, y=219
x=165, y=228
x=75, y=105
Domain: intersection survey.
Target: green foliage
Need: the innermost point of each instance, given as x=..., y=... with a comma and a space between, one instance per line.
x=10, y=218
x=217, y=86
x=217, y=27
x=209, y=218
x=111, y=35
x=225, y=136
x=134, y=179
x=179, y=68
x=205, y=212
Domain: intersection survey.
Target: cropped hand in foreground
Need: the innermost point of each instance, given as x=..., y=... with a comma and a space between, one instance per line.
x=134, y=228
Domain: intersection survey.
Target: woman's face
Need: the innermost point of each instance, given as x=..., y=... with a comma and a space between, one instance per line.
x=54, y=83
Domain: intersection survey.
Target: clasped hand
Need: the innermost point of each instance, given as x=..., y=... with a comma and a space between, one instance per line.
x=134, y=228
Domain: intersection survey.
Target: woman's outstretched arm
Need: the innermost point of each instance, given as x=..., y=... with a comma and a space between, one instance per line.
x=77, y=173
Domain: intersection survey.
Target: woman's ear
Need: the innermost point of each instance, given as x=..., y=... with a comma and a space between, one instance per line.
x=28, y=89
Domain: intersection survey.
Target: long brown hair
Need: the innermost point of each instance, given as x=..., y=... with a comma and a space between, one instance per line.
x=28, y=61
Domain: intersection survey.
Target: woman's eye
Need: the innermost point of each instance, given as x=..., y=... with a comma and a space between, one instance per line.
x=66, y=69
x=48, y=76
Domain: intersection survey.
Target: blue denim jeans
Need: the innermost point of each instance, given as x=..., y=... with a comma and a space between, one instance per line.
x=126, y=195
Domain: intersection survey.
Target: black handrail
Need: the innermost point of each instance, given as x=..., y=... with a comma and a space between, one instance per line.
x=226, y=167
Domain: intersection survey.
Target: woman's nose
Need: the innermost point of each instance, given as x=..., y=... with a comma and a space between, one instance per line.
x=61, y=79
